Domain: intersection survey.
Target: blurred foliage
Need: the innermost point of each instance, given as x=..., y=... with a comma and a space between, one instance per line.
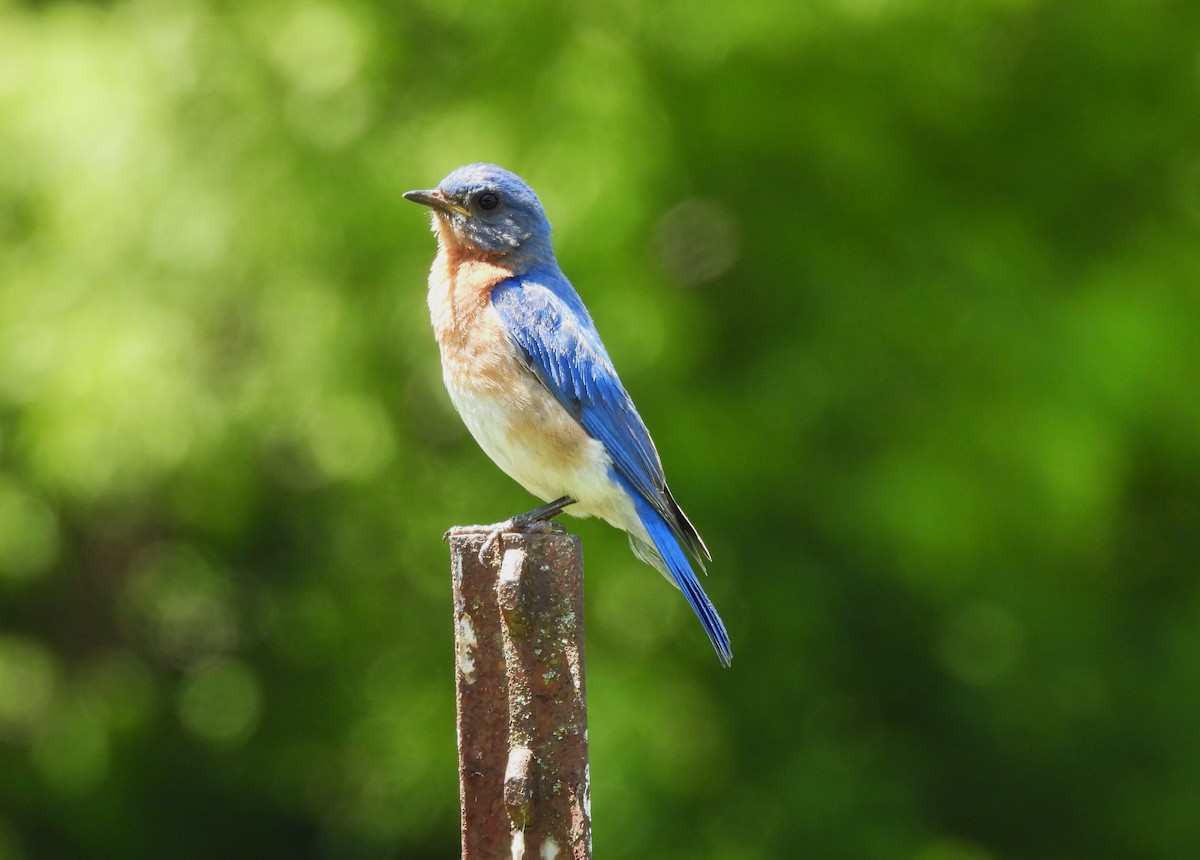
x=908, y=293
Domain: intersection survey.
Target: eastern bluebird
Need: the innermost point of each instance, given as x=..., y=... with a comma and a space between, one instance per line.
x=527, y=372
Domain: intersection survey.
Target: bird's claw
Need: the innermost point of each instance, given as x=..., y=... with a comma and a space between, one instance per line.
x=493, y=533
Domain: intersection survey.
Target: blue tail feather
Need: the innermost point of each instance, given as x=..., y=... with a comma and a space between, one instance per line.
x=669, y=558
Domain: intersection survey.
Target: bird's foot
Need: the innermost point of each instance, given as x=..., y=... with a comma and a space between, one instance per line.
x=495, y=531
x=536, y=521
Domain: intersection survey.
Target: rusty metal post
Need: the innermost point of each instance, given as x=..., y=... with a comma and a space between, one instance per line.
x=522, y=709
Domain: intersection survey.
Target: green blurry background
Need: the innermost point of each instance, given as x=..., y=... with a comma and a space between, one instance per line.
x=908, y=292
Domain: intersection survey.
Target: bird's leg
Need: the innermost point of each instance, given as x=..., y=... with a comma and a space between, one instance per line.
x=537, y=520
x=541, y=515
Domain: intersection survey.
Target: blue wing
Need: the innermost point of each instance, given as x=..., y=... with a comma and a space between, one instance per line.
x=546, y=320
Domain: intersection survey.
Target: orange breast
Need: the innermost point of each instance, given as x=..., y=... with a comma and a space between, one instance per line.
x=516, y=420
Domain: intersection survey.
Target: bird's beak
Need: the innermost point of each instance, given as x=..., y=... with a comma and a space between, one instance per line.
x=436, y=201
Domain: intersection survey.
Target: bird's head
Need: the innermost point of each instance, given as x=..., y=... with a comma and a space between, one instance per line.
x=488, y=209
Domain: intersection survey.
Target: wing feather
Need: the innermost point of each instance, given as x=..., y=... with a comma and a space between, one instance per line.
x=547, y=322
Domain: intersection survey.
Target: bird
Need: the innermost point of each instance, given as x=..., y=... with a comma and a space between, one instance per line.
x=527, y=372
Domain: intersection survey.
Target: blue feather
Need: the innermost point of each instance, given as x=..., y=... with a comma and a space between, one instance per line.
x=667, y=556
x=546, y=319
x=553, y=332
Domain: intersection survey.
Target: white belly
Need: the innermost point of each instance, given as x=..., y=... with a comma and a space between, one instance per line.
x=540, y=446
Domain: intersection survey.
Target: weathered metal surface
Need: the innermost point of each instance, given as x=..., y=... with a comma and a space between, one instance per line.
x=522, y=708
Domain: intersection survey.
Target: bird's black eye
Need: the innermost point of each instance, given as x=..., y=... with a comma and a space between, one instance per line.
x=487, y=201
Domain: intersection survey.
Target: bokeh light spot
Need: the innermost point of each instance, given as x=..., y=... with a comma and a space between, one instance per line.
x=221, y=702
x=71, y=751
x=319, y=46
x=182, y=603
x=698, y=240
x=27, y=682
x=350, y=437
x=28, y=533
x=982, y=643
